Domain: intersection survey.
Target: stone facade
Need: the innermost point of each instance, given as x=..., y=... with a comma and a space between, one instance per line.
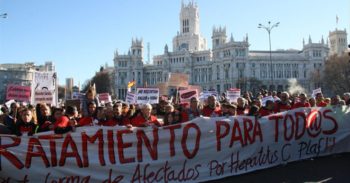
x=338, y=42
x=229, y=64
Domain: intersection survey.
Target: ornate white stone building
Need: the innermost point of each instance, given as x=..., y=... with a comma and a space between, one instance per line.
x=230, y=63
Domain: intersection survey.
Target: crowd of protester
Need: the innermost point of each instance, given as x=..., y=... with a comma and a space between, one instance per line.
x=28, y=119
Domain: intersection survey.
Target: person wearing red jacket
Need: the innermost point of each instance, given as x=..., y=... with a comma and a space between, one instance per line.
x=145, y=118
x=90, y=117
x=302, y=102
x=242, y=106
x=121, y=120
x=110, y=120
x=212, y=109
x=268, y=109
x=284, y=104
x=320, y=100
x=63, y=125
x=68, y=122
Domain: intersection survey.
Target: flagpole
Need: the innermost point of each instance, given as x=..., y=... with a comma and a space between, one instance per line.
x=336, y=20
x=176, y=96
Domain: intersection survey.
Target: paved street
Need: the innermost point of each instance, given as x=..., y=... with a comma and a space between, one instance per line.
x=334, y=168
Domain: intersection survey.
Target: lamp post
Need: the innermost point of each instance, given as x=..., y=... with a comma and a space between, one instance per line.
x=226, y=76
x=268, y=28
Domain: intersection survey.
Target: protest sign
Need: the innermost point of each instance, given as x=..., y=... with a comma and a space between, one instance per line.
x=18, y=93
x=8, y=103
x=147, y=95
x=43, y=96
x=104, y=98
x=200, y=150
x=316, y=91
x=163, y=88
x=263, y=100
x=78, y=95
x=130, y=98
x=44, y=84
x=233, y=94
x=186, y=95
x=205, y=94
x=178, y=79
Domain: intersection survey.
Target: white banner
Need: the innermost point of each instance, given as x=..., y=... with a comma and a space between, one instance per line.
x=200, y=150
x=233, y=94
x=147, y=95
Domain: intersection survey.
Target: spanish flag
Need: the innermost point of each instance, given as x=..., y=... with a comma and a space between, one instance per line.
x=131, y=83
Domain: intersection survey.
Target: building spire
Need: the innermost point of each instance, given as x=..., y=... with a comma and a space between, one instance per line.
x=310, y=41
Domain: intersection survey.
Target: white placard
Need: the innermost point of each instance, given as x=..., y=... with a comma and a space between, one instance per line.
x=147, y=95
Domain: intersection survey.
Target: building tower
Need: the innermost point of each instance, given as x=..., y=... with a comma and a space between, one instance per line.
x=189, y=37
x=137, y=48
x=219, y=36
x=338, y=42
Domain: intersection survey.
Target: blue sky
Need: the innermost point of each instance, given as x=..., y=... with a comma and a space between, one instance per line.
x=81, y=35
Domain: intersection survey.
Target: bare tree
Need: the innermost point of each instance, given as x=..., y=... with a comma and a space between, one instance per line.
x=336, y=77
x=102, y=81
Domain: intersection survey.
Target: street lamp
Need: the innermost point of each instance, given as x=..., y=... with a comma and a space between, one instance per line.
x=226, y=76
x=4, y=15
x=268, y=29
